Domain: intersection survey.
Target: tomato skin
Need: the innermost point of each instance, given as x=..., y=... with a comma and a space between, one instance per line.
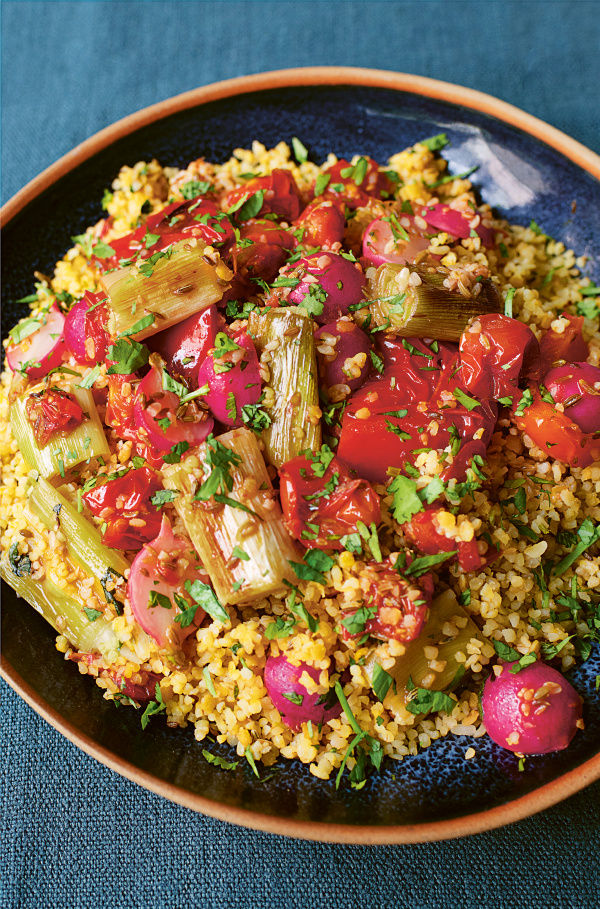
x=120, y=407
x=336, y=514
x=178, y=221
x=373, y=185
x=568, y=346
x=50, y=412
x=402, y=604
x=422, y=531
x=185, y=345
x=281, y=194
x=556, y=434
x=496, y=352
x=369, y=443
x=119, y=501
x=323, y=223
x=143, y=691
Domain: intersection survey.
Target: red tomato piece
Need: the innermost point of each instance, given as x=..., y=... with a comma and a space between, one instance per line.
x=568, y=345
x=318, y=510
x=425, y=532
x=496, y=353
x=185, y=346
x=323, y=224
x=50, y=412
x=198, y=218
x=120, y=407
x=556, y=434
x=142, y=691
x=400, y=606
x=124, y=505
x=350, y=189
x=281, y=195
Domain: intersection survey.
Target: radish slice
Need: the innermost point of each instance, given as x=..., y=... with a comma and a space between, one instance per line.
x=153, y=405
x=290, y=697
x=41, y=350
x=163, y=566
x=533, y=711
x=381, y=246
x=340, y=280
x=456, y=223
x=231, y=389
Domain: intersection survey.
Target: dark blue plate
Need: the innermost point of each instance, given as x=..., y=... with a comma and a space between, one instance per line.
x=436, y=793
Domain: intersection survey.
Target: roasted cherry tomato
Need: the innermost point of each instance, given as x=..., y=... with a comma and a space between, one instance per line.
x=281, y=196
x=411, y=408
x=184, y=346
x=496, y=353
x=321, y=504
x=398, y=607
x=198, y=218
x=425, y=531
x=124, y=505
x=355, y=185
x=50, y=411
x=555, y=433
x=567, y=345
x=322, y=224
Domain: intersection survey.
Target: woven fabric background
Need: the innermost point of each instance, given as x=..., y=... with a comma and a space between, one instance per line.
x=75, y=834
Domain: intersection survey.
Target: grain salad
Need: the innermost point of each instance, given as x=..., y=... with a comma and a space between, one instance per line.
x=307, y=457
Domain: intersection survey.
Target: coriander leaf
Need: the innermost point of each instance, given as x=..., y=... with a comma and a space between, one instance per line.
x=300, y=152
x=465, y=400
x=250, y=207
x=90, y=377
x=420, y=566
x=505, y=652
x=406, y=500
x=381, y=682
x=20, y=564
x=92, y=614
x=357, y=621
x=293, y=696
x=435, y=143
x=205, y=597
x=280, y=628
x=174, y=456
x=508, y=302
x=218, y=761
x=164, y=496
x=153, y=707
x=144, y=322
x=425, y=701
x=321, y=184
x=129, y=356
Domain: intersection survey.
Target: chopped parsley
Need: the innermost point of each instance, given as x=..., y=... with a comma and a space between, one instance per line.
x=153, y=707
x=204, y=596
x=20, y=564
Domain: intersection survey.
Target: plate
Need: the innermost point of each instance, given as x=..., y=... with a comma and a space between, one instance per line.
x=527, y=170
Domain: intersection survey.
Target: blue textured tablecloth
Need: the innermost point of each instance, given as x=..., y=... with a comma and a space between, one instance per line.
x=74, y=833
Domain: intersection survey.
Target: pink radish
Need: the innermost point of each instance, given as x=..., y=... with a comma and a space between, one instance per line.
x=577, y=387
x=43, y=348
x=157, y=578
x=383, y=242
x=348, y=342
x=533, y=711
x=153, y=405
x=456, y=223
x=232, y=373
x=290, y=697
x=331, y=284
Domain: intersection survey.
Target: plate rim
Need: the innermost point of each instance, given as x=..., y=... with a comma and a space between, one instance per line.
x=517, y=809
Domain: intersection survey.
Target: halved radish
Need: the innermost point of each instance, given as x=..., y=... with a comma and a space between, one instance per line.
x=232, y=374
x=456, y=223
x=330, y=284
x=156, y=420
x=157, y=578
x=383, y=242
x=41, y=350
x=185, y=345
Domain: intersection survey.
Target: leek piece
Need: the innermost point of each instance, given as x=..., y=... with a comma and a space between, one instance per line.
x=414, y=664
x=84, y=541
x=428, y=310
x=292, y=393
x=263, y=547
x=64, y=450
x=177, y=284
x=63, y=611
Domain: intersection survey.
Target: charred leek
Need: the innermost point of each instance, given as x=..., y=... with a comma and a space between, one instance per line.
x=414, y=664
x=238, y=529
x=64, y=450
x=64, y=612
x=428, y=310
x=291, y=394
x=84, y=541
x=164, y=289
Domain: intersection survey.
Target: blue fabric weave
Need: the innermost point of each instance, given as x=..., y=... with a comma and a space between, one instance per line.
x=75, y=834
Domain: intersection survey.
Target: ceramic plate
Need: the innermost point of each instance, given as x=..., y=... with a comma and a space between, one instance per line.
x=526, y=170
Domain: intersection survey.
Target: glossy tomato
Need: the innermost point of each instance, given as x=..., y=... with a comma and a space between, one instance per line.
x=322, y=224
x=280, y=195
x=52, y=411
x=425, y=532
x=567, y=345
x=323, y=503
x=185, y=346
x=496, y=353
x=555, y=433
x=119, y=408
x=356, y=185
x=124, y=504
x=396, y=607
